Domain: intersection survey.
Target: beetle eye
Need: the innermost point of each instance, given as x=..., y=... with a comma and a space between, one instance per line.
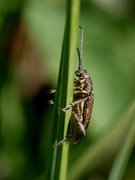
x=77, y=73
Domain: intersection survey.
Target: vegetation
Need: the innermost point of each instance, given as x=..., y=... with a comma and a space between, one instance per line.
x=31, y=44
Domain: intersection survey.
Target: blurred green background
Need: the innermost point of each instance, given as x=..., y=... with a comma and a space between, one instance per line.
x=31, y=34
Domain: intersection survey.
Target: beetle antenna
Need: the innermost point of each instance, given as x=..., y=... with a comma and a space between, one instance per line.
x=80, y=59
x=81, y=49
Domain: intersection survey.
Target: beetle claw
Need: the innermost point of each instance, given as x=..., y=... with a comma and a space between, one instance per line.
x=61, y=142
x=51, y=102
x=51, y=91
x=66, y=108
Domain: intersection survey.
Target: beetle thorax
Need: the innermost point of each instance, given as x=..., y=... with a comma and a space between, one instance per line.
x=83, y=83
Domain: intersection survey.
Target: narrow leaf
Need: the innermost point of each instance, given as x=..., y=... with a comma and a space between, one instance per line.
x=58, y=157
x=124, y=152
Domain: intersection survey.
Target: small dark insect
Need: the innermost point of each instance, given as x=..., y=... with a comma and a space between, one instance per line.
x=83, y=98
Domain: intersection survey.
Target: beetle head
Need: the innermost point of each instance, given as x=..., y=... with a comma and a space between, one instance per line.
x=82, y=74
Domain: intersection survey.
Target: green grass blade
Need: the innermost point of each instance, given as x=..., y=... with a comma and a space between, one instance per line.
x=58, y=157
x=124, y=152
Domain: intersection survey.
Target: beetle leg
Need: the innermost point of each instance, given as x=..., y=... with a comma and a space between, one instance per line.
x=51, y=101
x=61, y=142
x=78, y=101
x=66, y=108
x=51, y=91
x=72, y=104
x=81, y=126
x=68, y=136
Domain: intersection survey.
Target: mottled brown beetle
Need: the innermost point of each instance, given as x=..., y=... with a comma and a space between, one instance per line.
x=83, y=98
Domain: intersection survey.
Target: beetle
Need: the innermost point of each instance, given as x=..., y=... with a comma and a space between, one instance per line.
x=83, y=99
